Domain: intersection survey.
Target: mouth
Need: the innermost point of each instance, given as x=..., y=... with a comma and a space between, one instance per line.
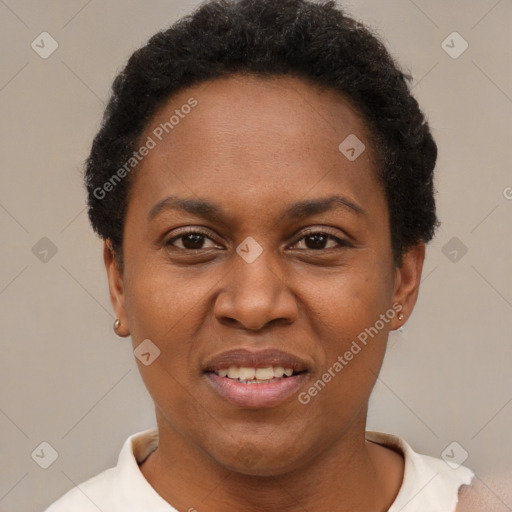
x=255, y=379
x=247, y=375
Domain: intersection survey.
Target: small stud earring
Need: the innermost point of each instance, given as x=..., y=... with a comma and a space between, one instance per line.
x=400, y=316
x=117, y=324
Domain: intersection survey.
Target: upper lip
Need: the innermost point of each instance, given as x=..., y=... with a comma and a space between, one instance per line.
x=255, y=359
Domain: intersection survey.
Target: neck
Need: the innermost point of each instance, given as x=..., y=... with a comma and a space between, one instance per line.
x=352, y=474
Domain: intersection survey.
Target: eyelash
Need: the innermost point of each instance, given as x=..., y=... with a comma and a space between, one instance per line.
x=341, y=243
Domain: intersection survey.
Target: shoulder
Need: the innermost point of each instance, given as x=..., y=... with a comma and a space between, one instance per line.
x=490, y=492
x=89, y=496
x=468, y=500
x=429, y=483
x=116, y=488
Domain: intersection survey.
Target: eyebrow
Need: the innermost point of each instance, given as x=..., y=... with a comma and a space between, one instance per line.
x=214, y=212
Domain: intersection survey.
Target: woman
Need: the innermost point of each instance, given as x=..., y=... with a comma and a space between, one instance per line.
x=263, y=184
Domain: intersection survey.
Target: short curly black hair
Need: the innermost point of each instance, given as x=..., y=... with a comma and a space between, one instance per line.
x=315, y=41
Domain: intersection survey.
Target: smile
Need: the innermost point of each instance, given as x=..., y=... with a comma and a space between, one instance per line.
x=253, y=380
x=255, y=375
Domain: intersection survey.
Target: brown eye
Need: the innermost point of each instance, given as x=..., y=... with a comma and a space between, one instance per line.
x=319, y=240
x=192, y=240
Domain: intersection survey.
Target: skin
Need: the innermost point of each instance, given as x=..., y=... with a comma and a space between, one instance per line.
x=255, y=146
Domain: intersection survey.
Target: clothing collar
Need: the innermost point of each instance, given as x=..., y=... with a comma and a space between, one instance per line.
x=427, y=480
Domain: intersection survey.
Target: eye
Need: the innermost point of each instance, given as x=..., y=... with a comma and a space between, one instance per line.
x=193, y=240
x=317, y=240
x=190, y=240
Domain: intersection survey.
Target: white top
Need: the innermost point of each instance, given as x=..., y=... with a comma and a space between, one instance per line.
x=429, y=484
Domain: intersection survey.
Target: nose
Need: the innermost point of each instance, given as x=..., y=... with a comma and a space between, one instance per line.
x=255, y=295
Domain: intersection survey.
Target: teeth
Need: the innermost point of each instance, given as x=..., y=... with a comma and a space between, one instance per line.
x=233, y=372
x=278, y=371
x=247, y=373
x=265, y=373
x=255, y=375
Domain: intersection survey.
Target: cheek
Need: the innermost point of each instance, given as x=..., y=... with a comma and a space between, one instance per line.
x=163, y=307
x=349, y=298
x=345, y=312
x=162, y=302
x=353, y=350
x=169, y=307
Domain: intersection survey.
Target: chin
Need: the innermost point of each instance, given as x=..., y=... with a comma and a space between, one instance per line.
x=266, y=456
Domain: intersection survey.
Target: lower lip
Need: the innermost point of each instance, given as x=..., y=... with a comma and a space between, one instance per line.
x=254, y=396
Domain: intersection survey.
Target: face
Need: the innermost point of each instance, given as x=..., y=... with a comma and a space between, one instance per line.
x=254, y=246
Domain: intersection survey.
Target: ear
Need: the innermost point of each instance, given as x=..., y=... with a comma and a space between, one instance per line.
x=116, y=288
x=407, y=282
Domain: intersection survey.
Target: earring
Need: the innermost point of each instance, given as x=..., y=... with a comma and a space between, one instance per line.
x=117, y=324
x=400, y=316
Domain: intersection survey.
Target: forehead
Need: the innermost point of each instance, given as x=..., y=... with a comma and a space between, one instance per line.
x=273, y=136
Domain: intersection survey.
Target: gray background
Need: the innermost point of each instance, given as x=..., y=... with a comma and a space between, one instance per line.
x=66, y=379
